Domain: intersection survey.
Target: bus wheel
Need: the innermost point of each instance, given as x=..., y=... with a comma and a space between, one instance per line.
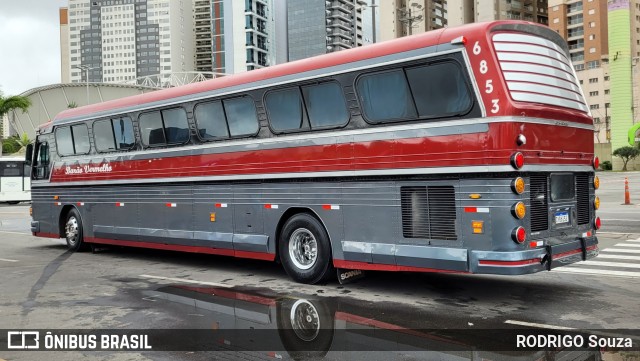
x=305, y=250
x=73, y=231
x=305, y=327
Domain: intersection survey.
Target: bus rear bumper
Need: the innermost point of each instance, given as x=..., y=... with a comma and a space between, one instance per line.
x=533, y=260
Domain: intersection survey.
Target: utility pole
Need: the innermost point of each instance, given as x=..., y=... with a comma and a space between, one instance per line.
x=410, y=16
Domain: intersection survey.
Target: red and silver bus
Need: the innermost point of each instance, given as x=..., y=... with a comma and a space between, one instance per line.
x=466, y=150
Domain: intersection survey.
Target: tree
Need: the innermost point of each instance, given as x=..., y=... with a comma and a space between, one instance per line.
x=13, y=102
x=10, y=103
x=626, y=154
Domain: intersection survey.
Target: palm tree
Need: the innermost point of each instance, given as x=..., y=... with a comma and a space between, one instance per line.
x=10, y=103
x=13, y=102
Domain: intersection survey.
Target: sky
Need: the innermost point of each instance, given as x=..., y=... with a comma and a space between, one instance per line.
x=29, y=44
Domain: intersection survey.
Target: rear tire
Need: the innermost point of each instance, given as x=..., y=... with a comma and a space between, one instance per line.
x=73, y=231
x=305, y=250
x=305, y=327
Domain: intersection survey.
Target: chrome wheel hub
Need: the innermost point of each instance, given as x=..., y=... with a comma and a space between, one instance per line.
x=303, y=248
x=305, y=320
x=71, y=230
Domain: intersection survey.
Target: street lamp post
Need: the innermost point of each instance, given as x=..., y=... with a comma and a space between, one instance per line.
x=373, y=7
x=86, y=69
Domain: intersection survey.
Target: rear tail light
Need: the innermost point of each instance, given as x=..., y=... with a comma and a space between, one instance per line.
x=596, y=162
x=519, y=235
x=518, y=185
x=519, y=210
x=597, y=223
x=517, y=160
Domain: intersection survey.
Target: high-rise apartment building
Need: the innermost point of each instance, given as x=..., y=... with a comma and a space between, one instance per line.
x=203, y=35
x=243, y=35
x=604, y=42
x=584, y=24
x=318, y=27
x=406, y=17
x=469, y=11
x=120, y=40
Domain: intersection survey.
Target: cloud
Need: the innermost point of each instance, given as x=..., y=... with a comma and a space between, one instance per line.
x=30, y=45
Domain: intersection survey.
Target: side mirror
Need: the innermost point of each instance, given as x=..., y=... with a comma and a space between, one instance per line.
x=29, y=154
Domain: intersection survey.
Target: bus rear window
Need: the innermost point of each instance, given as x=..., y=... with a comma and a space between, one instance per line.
x=562, y=187
x=10, y=169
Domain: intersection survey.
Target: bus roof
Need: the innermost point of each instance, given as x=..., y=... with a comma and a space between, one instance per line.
x=318, y=62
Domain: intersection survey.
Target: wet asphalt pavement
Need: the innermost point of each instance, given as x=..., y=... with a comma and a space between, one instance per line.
x=383, y=316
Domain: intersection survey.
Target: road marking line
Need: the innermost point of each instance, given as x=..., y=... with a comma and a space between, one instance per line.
x=633, y=240
x=8, y=260
x=182, y=280
x=539, y=325
x=598, y=272
x=620, y=250
x=618, y=219
x=15, y=232
x=628, y=245
x=615, y=256
x=608, y=264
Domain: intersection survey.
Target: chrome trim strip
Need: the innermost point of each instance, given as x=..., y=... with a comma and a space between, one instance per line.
x=537, y=69
x=544, y=99
x=363, y=173
x=530, y=39
x=541, y=79
x=535, y=59
x=531, y=49
x=544, y=90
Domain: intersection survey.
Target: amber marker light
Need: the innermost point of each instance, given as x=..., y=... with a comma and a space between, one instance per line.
x=596, y=203
x=519, y=210
x=478, y=227
x=31, y=211
x=596, y=182
x=517, y=185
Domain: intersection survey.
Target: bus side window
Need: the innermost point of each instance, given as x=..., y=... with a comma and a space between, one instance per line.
x=385, y=97
x=439, y=89
x=41, y=164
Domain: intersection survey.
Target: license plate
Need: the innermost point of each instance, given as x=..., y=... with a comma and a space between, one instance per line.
x=562, y=217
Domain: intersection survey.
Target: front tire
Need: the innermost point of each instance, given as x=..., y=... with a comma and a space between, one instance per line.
x=305, y=250
x=73, y=231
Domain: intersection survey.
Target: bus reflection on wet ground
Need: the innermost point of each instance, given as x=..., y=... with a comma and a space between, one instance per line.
x=263, y=323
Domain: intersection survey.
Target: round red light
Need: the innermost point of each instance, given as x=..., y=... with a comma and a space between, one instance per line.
x=597, y=224
x=519, y=235
x=517, y=160
x=596, y=162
